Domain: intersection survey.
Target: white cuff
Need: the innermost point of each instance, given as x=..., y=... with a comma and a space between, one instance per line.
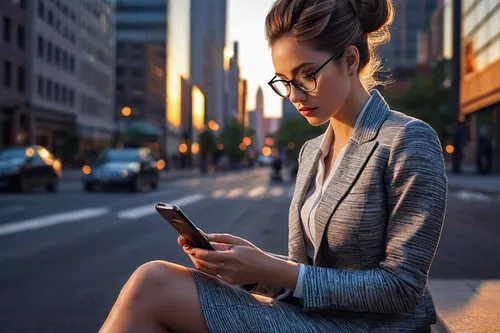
x=299, y=287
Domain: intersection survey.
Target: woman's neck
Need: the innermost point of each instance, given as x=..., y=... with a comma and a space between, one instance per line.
x=344, y=120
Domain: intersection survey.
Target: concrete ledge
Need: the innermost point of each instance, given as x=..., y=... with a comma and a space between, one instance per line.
x=466, y=305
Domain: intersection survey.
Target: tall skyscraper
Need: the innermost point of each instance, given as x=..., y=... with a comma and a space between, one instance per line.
x=258, y=126
x=231, y=86
x=16, y=126
x=71, y=72
x=195, y=58
x=412, y=17
x=141, y=64
x=208, y=40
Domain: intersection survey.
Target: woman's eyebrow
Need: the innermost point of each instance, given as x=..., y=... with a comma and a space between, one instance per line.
x=297, y=68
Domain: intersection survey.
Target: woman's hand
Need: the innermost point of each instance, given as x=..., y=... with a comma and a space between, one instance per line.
x=236, y=260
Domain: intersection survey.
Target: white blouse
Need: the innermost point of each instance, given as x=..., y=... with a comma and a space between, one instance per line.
x=314, y=195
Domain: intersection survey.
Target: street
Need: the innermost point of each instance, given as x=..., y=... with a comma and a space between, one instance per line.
x=64, y=257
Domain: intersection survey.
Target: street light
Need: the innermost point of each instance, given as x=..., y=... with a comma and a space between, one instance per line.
x=126, y=111
x=247, y=140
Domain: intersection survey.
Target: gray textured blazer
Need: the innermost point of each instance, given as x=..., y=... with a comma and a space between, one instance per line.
x=378, y=223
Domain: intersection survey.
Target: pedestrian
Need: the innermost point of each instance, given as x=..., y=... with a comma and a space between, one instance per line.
x=365, y=218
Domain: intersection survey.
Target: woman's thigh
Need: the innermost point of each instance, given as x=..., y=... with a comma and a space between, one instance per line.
x=172, y=295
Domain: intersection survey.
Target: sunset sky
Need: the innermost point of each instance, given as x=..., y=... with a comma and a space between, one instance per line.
x=246, y=25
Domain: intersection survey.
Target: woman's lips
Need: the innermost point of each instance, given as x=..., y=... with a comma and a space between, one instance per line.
x=307, y=112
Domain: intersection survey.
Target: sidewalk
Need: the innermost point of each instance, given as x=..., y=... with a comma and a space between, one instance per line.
x=73, y=174
x=466, y=306
x=470, y=181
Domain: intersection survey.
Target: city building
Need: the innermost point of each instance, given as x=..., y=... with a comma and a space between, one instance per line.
x=242, y=102
x=16, y=126
x=258, y=119
x=71, y=74
x=288, y=110
x=195, y=73
x=141, y=41
x=208, y=41
x=271, y=125
x=231, y=85
x=412, y=17
x=480, y=86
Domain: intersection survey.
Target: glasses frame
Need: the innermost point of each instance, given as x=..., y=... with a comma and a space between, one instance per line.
x=291, y=82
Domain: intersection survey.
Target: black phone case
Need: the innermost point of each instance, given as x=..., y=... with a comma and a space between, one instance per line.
x=177, y=219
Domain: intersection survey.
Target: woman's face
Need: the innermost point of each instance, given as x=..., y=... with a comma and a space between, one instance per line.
x=333, y=84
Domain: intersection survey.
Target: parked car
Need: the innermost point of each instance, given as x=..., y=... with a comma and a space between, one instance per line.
x=132, y=168
x=26, y=168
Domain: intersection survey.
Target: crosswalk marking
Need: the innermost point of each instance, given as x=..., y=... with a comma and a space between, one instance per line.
x=236, y=192
x=277, y=191
x=49, y=220
x=149, y=209
x=218, y=194
x=257, y=192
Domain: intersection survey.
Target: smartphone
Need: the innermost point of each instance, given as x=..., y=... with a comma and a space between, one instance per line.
x=176, y=217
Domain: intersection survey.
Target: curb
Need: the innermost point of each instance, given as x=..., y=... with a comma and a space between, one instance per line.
x=440, y=327
x=456, y=188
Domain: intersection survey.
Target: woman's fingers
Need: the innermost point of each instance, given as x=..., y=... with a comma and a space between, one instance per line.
x=228, y=239
x=209, y=266
x=181, y=240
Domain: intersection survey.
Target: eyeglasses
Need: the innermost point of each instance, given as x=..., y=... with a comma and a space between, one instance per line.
x=304, y=82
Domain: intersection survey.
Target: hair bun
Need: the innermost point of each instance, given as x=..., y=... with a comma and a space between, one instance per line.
x=373, y=14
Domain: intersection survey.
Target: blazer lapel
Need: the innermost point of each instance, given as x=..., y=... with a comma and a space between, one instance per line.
x=296, y=244
x=357, y=154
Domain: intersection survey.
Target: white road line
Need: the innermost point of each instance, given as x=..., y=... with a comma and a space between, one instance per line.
x=49, y=220
x=257, y=192
x=217, y=194
x=466, y=195
x=149, y=209
x=277, y=191
x=234, y=193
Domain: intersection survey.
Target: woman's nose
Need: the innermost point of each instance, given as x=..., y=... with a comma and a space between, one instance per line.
x=296, y=95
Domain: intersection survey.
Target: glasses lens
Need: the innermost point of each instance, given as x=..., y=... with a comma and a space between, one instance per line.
x=305, y=82
x=281, y=88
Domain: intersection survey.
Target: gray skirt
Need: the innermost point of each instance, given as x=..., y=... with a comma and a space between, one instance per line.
x=228, y=309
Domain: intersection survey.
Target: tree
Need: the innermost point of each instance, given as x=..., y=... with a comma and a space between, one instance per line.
x=296, y=130
x=231, y=137
x=208, y=142
x=426, y=98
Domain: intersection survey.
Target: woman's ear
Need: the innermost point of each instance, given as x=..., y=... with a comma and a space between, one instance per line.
x=352, y=59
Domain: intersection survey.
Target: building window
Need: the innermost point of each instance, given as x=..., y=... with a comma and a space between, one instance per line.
x=20, y=37
x=41, y=9
x=71, y=97
x=56, y=92
x=120, y=71
x=56, y=55
x=6, y=29
x=50, y=17
x=71, y=64
x=40, y=46
x=48, y=90
x=40, y=86
x=7, y=74
x=20, y=79
x=65, y=60
x=49, y=51
x=63, y=93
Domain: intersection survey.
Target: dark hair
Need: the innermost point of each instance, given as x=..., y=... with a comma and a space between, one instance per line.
x=333, y=25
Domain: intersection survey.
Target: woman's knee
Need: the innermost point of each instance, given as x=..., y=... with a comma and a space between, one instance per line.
x=153, y=278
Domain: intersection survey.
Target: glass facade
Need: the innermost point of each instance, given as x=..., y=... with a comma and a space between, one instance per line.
x=179, y=55
x=481, y=30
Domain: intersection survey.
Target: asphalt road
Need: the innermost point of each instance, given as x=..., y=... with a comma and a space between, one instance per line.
x=64, y=257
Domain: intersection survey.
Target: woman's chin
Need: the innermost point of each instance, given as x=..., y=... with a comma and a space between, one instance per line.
x=315, y=121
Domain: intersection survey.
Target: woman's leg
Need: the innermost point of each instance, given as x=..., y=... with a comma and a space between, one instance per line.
x=158, y=297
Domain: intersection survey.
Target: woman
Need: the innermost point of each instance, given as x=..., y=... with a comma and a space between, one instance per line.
x=366, y=215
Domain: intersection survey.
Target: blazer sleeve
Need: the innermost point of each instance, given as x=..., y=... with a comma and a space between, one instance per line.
x=416, y=188
x=273, y=291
